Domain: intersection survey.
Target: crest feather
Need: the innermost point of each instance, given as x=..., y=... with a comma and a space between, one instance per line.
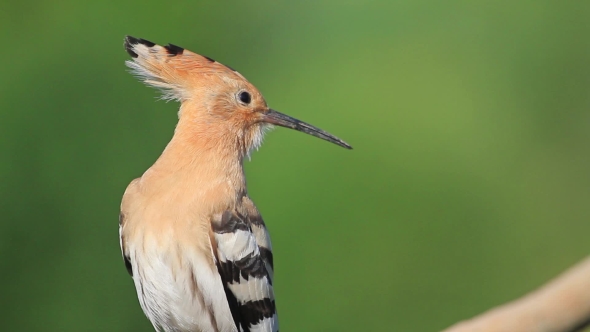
x=171, y=69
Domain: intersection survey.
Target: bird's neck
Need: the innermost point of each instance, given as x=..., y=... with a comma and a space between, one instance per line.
x=202, y=159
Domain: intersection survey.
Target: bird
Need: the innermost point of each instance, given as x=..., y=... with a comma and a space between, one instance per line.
x=192, y=240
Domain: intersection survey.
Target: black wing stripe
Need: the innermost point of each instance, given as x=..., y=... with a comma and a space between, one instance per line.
x=256, y=311
x=230, y=223
x=245, y=264
x=247, y=267
x=128, y=265
x=266, y=255
x=126, y=257
x=234, y=307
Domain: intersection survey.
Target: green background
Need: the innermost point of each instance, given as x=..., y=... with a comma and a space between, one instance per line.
x=468, y=185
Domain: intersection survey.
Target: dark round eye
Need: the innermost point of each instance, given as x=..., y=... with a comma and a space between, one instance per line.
x=245, y=97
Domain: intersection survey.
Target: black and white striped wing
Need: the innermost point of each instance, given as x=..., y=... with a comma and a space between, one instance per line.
x=244, y=261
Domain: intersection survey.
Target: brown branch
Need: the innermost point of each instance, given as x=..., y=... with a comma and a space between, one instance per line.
x=562, y=305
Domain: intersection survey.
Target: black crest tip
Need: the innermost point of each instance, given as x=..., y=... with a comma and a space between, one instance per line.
x=146, y=42
x=130, y=42
x=173, y=49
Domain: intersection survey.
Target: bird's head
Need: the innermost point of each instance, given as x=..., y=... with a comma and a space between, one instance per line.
x=218, y=103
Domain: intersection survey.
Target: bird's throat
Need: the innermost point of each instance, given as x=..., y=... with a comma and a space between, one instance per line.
x=202, y=166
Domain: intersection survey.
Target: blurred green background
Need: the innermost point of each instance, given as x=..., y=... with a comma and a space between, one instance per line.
x=468, y=184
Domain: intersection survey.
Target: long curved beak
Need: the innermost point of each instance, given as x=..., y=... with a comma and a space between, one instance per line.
x=286, y=121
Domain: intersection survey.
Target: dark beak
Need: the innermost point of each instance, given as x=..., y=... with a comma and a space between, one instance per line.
x=286, y=121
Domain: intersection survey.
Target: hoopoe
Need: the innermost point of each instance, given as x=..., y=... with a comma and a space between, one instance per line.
x=192, y=240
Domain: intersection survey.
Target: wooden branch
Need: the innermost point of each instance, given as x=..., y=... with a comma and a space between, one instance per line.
x=562, y=305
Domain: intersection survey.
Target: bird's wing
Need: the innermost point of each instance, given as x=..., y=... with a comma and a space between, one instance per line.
x=126, y=258
x=122, y=222
x=245, y=263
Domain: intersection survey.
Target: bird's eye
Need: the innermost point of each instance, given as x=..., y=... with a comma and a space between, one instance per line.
x=244, y=97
